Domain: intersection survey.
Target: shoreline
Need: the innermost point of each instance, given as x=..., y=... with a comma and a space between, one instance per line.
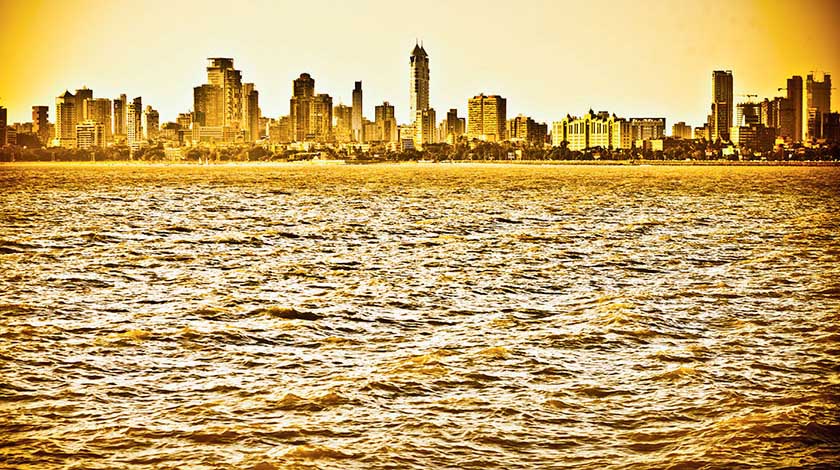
x=629, y=163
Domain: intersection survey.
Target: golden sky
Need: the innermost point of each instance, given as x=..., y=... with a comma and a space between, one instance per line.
x=547, y=57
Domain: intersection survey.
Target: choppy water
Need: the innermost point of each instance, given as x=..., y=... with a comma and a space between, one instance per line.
x=419, y=317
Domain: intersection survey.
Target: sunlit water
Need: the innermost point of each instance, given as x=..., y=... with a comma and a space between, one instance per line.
x=419, y=316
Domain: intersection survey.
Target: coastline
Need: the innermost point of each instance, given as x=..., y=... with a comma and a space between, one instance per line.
x=629, y=163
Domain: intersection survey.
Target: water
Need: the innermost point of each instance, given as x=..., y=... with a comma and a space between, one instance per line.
x=419, y=316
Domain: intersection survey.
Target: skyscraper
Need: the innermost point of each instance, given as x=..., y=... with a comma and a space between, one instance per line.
x=99, y=110
x=722, y=104
x=250, y=112
x=120, y=108
x=220, y=73
x=358, y=134
x=425, y=128
x=320, y=119
x=819, y=104
x=208, y=103
x=794, y=96
x=65, y=120
x=386, y=122
x=486, y=116
x=303, y=90
x=3, y=120
x=455, y=126
x=89, y=134
x=419, y=81
x=343, y=123
x=41, y=123
x=152, y=123
x=133, y=124
x=82, y=95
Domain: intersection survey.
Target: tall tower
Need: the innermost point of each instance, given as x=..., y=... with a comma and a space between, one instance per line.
x=65, y=120
x=300, y=106
x=220, y=73
x=794, y=96
x=722, y=105
x=134, y=124
x=40, y=123
x=250, y=112
x=819, y=104
x=357, y=113
x=120, y=109
x=419, y=83
x=82, y=96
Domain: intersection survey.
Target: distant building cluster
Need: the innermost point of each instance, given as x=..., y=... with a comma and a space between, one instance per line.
x=226, y=111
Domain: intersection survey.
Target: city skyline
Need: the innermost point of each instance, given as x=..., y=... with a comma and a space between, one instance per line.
x=458, y=70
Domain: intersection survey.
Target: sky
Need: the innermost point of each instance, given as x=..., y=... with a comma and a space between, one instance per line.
x=549, y=58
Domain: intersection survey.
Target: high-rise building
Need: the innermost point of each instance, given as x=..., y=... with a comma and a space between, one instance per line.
x=819, y=104
x=343, y=115
x=526, y=130
x=280, y=130
x=99, y=110
x=747, y=114
x=778, y=114
x=310, y=114
x=208, y=103
x=250, y=112
x=3, y=121
x=486, y=116
x=134, y=124
x=419, y=81
x=65, y=120
x=82, y=96
x=120, y=109
x=386, y=122
x=220, y=73
x=152, y=123
x=358, y=112
x=455, y=127
x=90, y=134
x=320, y=118
x=794, y=96
x=681, y=130
x=300, y=106
x=722, y=104
x=425, y=128
x=41, y=123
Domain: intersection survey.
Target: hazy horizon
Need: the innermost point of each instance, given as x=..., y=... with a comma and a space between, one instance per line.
x=641, y=58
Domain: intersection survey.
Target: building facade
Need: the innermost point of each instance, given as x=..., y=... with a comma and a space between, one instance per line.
x=357, y=113
x=99, y=110
x=681, y=130
x=386, y=122
x=486, y=118
x=134, y=124
x=454, y=127
x=525, y=130
x=65, y=120
x=720, y=120
x=41, y=123
x=419, y=81
x=343, y=115
x=819, y=104
x=90, y=134
x=593, y=130
x=120, y=109
x=152, y=123
x=794, y=96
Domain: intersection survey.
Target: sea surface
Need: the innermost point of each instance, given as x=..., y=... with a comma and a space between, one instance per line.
x=419, y=316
